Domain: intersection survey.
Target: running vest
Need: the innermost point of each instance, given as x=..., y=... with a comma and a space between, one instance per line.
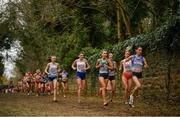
x=37, y=76
x=81, y=65
x=64, y=75
x=104, y=66
x=127, y=66
x=53, y=70
x=112, y=72
x=137, y=63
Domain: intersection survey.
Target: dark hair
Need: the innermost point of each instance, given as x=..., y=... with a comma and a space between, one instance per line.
x=138, y=47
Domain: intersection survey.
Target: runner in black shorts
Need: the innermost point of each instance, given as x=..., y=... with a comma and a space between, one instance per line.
x=112, y=82
x=138, y=64
x=104, y=65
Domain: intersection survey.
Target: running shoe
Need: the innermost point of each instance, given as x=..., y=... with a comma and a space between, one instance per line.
x=131, y=105
x=131, y=99
x=126, y=102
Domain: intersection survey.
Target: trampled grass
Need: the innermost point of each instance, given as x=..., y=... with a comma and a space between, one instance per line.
x=21, y=104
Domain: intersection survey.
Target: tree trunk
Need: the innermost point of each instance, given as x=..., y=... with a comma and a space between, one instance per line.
x=118, y=22
x=126, y=18
x=128, y=25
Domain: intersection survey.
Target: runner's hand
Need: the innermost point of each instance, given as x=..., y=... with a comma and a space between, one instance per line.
x=146, y=66
x=74, y=68
x=84, y=69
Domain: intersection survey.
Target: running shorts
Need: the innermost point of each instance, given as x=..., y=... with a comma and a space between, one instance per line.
x=81, y=75
x=104, y=75
x=138, y=74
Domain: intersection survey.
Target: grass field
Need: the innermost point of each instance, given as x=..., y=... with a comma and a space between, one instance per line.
x=21, y=104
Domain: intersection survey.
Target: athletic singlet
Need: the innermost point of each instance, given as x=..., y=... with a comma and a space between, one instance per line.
x=112, y=72
x=81, y=65
x=53, y=72
x=137, y=63
x=104, y=66
x=127, y=66
x=37, y=77
x=64, y=75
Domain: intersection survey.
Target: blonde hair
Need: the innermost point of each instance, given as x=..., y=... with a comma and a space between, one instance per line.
x=53, y=56
x=128, y=49
x=103, y=51
x=38, y=70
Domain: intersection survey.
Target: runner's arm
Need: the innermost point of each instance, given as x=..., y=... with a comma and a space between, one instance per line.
x=97, y=64
x=46, y=69
x=73, y=65
x=58, y=68
x=120, y=65
x=145, y=63
x=115, y=66
x=129, y=58
x=88, y=66
x=110, y=65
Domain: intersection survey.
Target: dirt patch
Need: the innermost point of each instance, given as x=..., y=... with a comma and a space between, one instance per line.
x=20, y=104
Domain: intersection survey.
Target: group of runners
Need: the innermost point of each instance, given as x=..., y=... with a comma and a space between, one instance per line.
x=40, y=83
x=132, y=67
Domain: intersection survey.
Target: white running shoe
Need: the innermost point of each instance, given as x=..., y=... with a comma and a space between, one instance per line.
x=131, y=105
x=126, y=103
x=131, y=99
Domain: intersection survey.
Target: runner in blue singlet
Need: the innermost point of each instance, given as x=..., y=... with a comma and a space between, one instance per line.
x=64, y=81
x=80, y=65
x=138, y=64
x=52, y=70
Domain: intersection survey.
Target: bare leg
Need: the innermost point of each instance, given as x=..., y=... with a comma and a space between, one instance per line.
x=64, y=88
x=103, y=83
x=79, y=83
x=37, y=89
x=83, y=83
x=113, y=85
x=55, y=89
x=138, y=85
x=136, y=93
x=58, y=87
x=125, y=83
x=109, y=86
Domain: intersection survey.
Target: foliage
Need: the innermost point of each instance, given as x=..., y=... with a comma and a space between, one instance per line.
x=164, y=37
x=64, y=28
